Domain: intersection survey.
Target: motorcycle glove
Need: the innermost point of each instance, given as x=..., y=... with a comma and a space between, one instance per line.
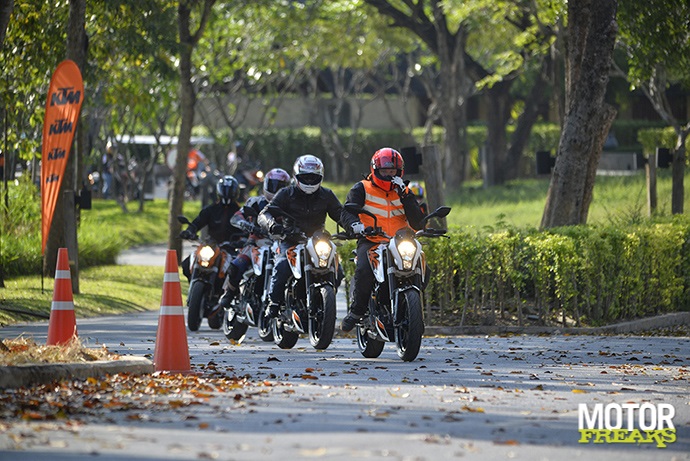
x=187, y=234
x=247, y=226
x=358, y=228
x=399, y=186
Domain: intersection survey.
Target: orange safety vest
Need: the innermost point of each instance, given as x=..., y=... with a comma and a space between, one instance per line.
x=194, y=158
x=387, y=207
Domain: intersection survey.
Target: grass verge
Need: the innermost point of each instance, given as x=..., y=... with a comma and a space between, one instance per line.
x=103, y=290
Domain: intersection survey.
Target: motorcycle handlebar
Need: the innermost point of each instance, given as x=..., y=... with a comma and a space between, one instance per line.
x=432, y=233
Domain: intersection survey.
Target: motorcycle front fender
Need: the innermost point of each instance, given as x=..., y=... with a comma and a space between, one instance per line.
x=396, y=297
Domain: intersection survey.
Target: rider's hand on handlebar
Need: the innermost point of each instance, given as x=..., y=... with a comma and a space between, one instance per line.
x=187, y=234
x=358, y=228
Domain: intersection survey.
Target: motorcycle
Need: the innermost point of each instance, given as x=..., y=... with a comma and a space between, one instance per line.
x=207, y=267
x=395, y=306
x=201, y=184
x=247, y=309
x=310, y=290
x=250, y=177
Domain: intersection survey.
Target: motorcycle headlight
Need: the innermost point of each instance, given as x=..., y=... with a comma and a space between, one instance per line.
x=205, y=255
x=323, y=251
x=407, y=252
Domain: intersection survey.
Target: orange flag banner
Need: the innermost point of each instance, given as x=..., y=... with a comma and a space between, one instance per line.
x=65, y=96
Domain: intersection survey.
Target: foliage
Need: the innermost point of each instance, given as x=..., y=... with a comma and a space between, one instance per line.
x=658, y=137
x=34, y=45
x=103, y=232
x=656, y=33
x=22, y=351
x=588, y=274
x=103, y=290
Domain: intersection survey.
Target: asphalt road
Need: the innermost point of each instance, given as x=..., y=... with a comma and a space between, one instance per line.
x=465, y=397
x=472, y=397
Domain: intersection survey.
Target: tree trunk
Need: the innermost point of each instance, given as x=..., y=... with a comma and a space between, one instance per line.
x=454, y=94
x=6, y=8
x=538, y=97
x=499, y=105
x=188, y=41
x=591, y=36
x=678, y=174
x=63, y=230
x=187, y=102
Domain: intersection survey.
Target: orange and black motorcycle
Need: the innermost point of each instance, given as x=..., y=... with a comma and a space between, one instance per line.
x=208, y=267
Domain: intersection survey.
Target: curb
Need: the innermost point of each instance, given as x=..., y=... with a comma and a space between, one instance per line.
x=29, y=375
x=646, y=324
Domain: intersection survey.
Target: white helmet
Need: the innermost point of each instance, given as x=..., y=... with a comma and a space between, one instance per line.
x=308, y=172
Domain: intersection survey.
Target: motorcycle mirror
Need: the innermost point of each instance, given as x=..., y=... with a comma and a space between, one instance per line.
x=250, y=211
x=440, y=212
x=183, y=220
x=276, y=211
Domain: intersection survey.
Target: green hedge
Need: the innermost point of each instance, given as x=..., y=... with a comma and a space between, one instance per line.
x=631, y=134
x=652, y=138
x=591, y=275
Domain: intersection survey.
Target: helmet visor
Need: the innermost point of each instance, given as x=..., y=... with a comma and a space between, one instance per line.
x=310, y=179
x=274, y=185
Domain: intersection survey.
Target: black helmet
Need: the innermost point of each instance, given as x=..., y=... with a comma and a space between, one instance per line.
x=228, y=190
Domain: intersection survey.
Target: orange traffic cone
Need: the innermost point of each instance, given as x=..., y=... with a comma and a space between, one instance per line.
x=63, y=324
x=171, y=353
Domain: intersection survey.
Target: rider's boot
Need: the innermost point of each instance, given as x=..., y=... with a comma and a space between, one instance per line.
x=272, y=310
x=352, y=318
x=224, y=301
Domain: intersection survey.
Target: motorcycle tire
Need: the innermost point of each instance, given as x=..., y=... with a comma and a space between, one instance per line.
x=368, y=347
x=232, y=329
x=408, y=334
x=282, y=338
x=215, y=322
x=322, y=318
x=265, y=328
x=196, y=301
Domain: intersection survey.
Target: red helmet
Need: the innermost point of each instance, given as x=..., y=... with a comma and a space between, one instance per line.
x=386, y=158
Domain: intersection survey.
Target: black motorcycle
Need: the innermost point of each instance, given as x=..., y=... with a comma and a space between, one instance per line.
x=247, y=309
x=310, y=290
x=207, y=266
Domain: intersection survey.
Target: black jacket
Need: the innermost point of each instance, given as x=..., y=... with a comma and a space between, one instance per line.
x=309, y=210
x=217, y=218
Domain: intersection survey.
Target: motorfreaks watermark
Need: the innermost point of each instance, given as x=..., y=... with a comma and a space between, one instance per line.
x=627, y=423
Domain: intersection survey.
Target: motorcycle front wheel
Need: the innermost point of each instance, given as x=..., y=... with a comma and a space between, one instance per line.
x=265, y=328
x=368, y=347
x=408, y=334
x=232, y=329
x=284, y=339
x=322, y=317
x=196, y=301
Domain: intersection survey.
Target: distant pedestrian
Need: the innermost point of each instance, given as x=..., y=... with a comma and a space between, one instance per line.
x=108, y=165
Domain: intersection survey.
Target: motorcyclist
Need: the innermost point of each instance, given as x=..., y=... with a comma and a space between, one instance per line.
x=418, y=190
x=385, y=194
x=245, y=219
x=309, y=203
x=196, y=164
x=217, y=217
